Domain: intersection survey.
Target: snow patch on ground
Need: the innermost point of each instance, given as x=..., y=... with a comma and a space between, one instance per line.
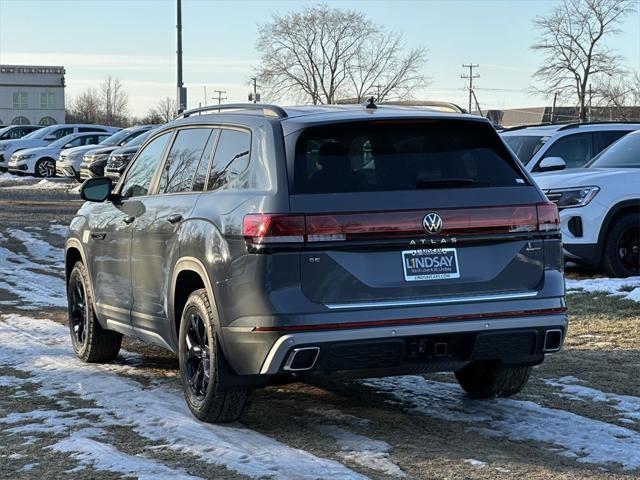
x=9, y=178
x=159, y=413
x=102, y=456
x=586, y=439
x=627, y=405
x=60, y=230
x=363, y=451
x=46, y=184
x=25, y=277
x=628, y=288
x=476, y=463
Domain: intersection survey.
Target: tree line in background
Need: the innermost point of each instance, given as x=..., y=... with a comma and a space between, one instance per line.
x=109, y=105
x=325, y=55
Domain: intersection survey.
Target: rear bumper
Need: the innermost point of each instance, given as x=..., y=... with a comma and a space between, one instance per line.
x=437, y=346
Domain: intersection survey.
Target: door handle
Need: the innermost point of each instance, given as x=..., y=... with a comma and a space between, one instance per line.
x=129, y=219
x=175, y=218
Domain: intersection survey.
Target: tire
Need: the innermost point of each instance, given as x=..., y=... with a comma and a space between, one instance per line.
x=91, y=343
x=199, y=353
x=621, y=254
x=489, y=380
x=45, y=167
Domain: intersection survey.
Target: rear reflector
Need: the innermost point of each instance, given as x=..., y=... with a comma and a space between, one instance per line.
x=266, y=228
x=412, y=321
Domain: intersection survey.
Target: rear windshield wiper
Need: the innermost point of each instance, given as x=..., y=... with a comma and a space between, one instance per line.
x=448, y=182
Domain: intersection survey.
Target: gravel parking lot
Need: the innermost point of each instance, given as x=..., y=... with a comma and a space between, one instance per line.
x=579, y=417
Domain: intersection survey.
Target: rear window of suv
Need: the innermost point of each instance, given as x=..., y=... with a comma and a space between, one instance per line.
x=401, y=155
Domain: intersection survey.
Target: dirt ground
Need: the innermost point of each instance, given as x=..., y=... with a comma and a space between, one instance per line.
x=414, y=427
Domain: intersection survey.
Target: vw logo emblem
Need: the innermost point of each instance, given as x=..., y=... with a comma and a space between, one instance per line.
x=432, y=223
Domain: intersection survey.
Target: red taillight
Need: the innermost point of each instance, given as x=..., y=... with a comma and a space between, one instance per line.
x=548, y=218
x=264, y=228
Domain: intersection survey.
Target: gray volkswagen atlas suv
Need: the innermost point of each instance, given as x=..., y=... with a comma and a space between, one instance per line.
x=264, y=244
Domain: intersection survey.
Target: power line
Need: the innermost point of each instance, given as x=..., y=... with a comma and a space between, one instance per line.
x=470, y=77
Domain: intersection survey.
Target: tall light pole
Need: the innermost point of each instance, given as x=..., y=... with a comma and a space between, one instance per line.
x=182, y=92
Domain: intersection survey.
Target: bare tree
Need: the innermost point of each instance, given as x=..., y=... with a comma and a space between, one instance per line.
x=381, y=69
x=322, y=54
x=115, y=102
x=571, y=39
x=617, y=94
x=165, y=111
x=86, y=107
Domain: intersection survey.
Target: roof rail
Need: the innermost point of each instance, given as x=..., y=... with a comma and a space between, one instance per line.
x=265, y=107
x=599, y=122
x=520, y=127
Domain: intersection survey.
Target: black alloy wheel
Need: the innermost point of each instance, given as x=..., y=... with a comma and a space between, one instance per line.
x=629, y=249
x=79, y=318
x=198, y=363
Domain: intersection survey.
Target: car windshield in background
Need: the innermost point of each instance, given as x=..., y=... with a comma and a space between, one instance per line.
x=139, y=139
x=392, y=156
x=118, y=138
x=525, y=146
x=41, y=133
x=61, y=142
x=625, y=153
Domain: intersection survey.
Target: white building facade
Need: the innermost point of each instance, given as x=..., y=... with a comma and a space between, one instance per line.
x=31, y=94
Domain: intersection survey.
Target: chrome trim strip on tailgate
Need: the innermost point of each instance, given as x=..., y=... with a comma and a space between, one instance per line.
x=432, y=301
x=284, y=344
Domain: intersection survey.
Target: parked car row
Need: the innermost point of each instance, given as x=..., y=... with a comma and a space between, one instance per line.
x=63, y=150
x=592, y=173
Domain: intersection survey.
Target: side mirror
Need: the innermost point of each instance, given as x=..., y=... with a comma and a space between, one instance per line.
x=68, y=145
x=50, y=138
x=96, y=189
x=550, y=164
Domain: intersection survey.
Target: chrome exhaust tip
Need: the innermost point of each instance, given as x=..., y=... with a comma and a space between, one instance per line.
x=301, y=359
x=552, y=341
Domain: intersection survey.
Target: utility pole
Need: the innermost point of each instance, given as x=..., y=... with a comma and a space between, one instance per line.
x=182, y=92
x=590, y=97
x=470, y=77
x=220, y=97
x=205, y=95
x=255, y=96
x=553, y=108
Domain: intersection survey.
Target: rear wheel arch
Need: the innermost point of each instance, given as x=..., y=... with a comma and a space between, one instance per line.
x=72, y=256
x=189, y=275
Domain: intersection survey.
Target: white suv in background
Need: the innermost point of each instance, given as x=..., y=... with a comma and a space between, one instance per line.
x=41, y=161
x=600, y=208
x=44, y=136
x=555, y=147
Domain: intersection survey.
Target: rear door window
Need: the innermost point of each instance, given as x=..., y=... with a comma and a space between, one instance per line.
x=607, y=137
x=179, y=169
x=230, y=160
x=575, y=150
x=402, y=155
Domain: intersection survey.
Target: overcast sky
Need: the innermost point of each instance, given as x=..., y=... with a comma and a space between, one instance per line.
x=134, y=40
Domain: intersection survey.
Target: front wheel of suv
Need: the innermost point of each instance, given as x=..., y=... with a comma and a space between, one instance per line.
x=489, y=380
x=201, y=365
x=90, y=341
x=621, y=255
